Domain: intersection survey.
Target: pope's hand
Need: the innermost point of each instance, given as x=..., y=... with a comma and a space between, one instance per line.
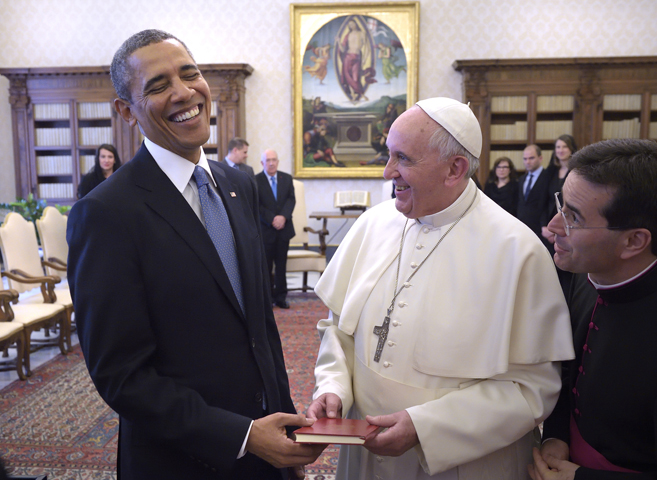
x=326, y=405
x=268, y=440
x=399, y=437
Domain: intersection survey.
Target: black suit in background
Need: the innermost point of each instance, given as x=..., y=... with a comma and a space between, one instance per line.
x=533, y=211
x=242, y=167
x=163, y=335
x=277, y=242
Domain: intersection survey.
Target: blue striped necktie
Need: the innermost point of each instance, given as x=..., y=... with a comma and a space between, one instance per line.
x=273, y=186
x=220, y=231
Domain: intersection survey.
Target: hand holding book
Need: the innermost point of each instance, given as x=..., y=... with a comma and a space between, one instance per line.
x=343, y=431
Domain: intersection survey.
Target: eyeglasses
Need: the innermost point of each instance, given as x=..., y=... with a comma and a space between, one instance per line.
x=568, y=227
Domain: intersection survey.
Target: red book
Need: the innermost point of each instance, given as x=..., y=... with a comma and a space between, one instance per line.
x=343, y=431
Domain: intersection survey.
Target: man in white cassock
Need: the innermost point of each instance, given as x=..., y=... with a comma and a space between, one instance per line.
x=447, y=324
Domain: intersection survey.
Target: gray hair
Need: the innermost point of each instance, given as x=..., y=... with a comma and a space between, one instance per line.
x=120, y=71
x=448, y=146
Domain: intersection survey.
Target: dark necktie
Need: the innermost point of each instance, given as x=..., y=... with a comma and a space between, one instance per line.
x=273, y=186
x=236, y=166
x=220, y=231
x=528, y=187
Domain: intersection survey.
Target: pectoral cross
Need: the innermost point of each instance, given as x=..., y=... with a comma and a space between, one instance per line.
x=382, y=332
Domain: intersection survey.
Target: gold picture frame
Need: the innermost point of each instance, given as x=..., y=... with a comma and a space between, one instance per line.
x=354, y=70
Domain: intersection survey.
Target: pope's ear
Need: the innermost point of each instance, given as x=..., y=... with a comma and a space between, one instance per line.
x=458, y=169
x=125, y=110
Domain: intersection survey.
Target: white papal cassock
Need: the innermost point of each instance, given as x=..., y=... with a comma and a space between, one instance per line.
x=474, y=343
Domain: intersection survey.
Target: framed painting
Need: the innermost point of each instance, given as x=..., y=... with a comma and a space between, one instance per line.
x=354, y=70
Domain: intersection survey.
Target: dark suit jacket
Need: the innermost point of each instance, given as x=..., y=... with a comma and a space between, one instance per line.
x=533, y=211
x=283, y=204
x=242, y=167
x=164, y=338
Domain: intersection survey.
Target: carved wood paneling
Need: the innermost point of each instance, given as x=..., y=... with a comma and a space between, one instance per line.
x=92, y=84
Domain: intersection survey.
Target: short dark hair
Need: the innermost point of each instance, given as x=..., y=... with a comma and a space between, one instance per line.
x=536, y=148
x=629, y=167
x=236, y=142
x=120, y=71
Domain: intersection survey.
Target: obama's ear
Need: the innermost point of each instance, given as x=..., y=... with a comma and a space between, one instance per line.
x=124, y=109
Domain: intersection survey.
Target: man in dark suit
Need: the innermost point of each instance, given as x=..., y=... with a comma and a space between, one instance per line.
x=238, y=151
x=276, y=194
x=533, y=191
x=186, y=353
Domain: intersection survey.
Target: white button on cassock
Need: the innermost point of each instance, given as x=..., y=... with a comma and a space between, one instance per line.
x=386, y=364
x=419, y=246
x=413, y=265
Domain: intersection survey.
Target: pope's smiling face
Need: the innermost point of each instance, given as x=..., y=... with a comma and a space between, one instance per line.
x=170, y=98
x=416, y=170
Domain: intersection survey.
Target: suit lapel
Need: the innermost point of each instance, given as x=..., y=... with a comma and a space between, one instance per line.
x=165, y=200
x=244, y=232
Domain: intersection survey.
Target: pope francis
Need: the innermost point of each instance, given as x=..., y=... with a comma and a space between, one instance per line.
x=446, y=321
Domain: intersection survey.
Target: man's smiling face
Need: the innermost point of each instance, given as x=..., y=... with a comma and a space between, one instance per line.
x=170, y=98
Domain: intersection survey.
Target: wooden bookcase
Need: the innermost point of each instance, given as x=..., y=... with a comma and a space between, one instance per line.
x=524, y=101
x=61, y=115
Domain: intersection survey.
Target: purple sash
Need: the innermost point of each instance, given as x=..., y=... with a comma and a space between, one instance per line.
x=585, y=455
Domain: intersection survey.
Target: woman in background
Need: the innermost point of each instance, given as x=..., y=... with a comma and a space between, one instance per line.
x=502, y=185
x=557, y=171
x=107, y=161
x=564, y=148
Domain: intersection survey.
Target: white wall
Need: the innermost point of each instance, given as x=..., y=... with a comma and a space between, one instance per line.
x=39, y=33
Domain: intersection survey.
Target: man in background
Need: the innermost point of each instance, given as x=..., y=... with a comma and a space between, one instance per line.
x=446, y=320
x=276, y=194
x=605, y=229
x=167, y=275
x=533, y=191
x=238, y=151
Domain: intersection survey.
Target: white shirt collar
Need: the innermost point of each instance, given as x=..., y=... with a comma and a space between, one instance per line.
x=616, y=285
x=536, y=172
x=178, y=169
x=229, y=162
x=454, y=211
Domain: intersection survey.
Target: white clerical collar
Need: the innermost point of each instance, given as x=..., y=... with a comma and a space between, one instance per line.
x=454, y=211
x=178, y=169
x=229, y=162
x=597, y=286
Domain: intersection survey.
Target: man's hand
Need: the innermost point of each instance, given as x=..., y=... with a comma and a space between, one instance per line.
x=279, y=222
x=268, y=440
x=327, y=405
x=547, y=467
x=400, y=437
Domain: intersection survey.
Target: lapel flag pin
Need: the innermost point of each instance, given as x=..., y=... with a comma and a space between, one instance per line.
x=233, y=194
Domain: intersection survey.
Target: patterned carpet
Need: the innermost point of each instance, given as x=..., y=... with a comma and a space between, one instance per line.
x=56, y=424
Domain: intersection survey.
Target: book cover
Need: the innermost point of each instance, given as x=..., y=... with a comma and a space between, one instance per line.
x=342, y=431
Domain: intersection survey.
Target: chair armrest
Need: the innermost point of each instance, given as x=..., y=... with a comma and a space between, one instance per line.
x=6, y=298
x=318, y=232
x=55, y=263
x=47, y=283
x=10, y=295
x=322, y=237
